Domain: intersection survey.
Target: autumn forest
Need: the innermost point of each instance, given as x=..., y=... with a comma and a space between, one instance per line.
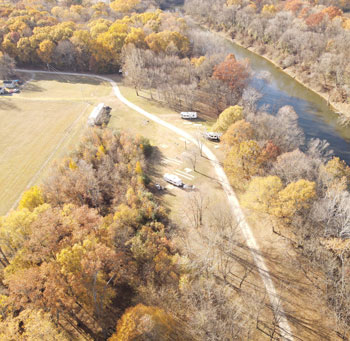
x=92, y=251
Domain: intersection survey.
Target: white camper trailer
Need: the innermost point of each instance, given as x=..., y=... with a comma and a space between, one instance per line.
x=173, y=179
x=100, y=115
x=11, y=84
x=188, y=114
x=210, y=135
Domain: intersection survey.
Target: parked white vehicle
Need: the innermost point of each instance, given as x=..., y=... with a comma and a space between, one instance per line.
x=188, y=114
x=210, y=135
x=11, y=84
x=2, y=91
x=173, y=179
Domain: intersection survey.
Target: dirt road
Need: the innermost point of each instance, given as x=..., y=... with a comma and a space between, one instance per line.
x=284, y=327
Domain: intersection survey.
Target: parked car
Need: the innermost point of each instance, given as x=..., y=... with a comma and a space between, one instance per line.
x=159, y=187
x=12, y=91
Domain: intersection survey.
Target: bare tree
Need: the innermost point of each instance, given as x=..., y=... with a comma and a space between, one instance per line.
x=191, y=156
x=333, y=212
x=7, y=64
x=296, y=165
x=134, y=67
x=200, y=142
x=196, y=204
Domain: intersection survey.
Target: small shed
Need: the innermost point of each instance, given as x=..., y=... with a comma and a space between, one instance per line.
x=100, y=115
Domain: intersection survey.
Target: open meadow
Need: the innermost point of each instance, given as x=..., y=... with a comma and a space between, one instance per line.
x=39, y=125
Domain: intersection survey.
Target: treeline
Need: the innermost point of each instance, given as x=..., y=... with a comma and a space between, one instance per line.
x=86, y=38
x=311, y=39
x=295, y=184
x=89, y=255
x=207, y=83
x=158, y=52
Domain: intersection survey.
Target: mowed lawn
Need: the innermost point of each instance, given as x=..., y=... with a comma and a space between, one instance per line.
x=40, y=124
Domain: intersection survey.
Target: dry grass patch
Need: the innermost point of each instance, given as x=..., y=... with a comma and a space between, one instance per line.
x=39, y=125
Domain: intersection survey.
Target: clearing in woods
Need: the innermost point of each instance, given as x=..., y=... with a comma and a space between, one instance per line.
x=39, y=125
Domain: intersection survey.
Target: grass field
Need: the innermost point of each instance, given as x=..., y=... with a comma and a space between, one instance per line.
x=168, y=159
x=294, y=289
x=40, y=124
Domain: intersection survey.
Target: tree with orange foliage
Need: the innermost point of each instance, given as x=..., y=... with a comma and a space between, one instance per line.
x=145, y=323
x=270, y=152
x=45, y=50
x=293, y=6
x=238, y=132
x=315, y=19
x=333, y=12
x=232, y=72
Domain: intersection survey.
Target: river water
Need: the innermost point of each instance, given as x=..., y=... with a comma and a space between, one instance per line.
x=315, y=117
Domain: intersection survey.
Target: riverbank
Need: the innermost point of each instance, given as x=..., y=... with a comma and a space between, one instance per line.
x=341, y=109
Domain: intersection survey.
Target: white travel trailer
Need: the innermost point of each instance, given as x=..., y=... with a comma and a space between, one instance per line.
x=188, y=114
x=210, y=135
x=11, y=84
x=173, y=179
x=100, y=115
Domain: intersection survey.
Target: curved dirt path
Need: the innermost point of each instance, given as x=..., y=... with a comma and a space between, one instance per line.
x=276, y=304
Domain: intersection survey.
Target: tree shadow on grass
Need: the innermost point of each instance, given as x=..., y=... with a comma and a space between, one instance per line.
x=32, y=87
x=155, y=160
x=62, y=78
x=153, y=169
x=7, y=105
x=290, y=284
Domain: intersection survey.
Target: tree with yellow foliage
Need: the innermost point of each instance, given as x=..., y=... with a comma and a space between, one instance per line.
x=163, y=41
x=242, y=162
x=227, y=118
x=296, y=197
x=87, y=267
x=267, y=195
x=198, y=61
x=124, y=6
x=336, y=170
x=45, y=50
x=32, y=325
x=31, y=198
x=15, y=229
x=269, y=9
x=136, y=37
x=346, y=24
x=262, y=193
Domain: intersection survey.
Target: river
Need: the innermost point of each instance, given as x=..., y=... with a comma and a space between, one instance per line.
x=315, y=117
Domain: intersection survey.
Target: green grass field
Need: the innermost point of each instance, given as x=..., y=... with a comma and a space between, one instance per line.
x=39, y=125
